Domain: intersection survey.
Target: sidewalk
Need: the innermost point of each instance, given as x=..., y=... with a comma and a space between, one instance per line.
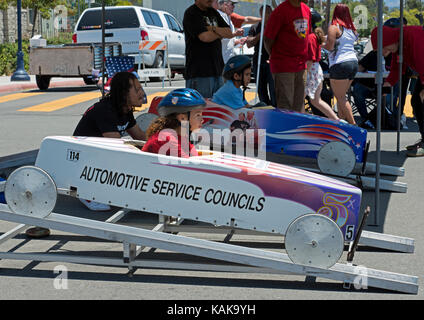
x=6, y=85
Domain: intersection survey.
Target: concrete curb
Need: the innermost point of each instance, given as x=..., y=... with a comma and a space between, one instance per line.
x=30, y=85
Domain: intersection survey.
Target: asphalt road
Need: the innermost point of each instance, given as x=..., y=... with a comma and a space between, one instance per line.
x=400, y=214
x=27, y=117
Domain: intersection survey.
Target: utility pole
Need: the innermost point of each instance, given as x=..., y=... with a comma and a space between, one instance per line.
x=327, y=15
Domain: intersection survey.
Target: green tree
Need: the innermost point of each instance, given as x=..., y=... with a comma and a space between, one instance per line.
x=410, y=16
x=414, y=4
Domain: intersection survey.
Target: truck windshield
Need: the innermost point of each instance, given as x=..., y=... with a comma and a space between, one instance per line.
x=114, y=19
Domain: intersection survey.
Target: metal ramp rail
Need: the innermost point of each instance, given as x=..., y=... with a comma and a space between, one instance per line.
x=250, y=259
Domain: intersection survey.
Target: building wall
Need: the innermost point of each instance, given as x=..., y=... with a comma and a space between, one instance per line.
x=9, y=27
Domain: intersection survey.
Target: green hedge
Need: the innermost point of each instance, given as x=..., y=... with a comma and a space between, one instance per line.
x=8, y=53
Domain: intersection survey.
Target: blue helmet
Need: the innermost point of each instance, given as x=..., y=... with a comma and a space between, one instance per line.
x=236, y=64
x=181, y=101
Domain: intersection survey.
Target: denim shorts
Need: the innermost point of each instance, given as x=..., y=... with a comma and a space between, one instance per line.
x=344, y=70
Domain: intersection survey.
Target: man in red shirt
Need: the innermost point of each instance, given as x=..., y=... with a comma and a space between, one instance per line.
x=413, y=48
x=286, y=40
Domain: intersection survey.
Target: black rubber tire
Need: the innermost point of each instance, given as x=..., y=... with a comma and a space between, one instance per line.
x=159, y=61
x=43, y=82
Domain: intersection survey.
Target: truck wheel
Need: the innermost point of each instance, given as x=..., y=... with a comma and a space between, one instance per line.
x=159, y=63
x=43, y=82
x=89, y=81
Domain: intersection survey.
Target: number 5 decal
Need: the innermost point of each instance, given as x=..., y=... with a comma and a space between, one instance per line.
x=334, y=207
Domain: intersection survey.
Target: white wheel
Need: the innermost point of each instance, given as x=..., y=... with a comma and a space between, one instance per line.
x=336, y=158
x=30, y=191
x=314, y=240
x=145, y=119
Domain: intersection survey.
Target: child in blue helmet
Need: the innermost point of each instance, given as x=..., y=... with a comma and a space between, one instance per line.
x=237, y=75
x=166, y=135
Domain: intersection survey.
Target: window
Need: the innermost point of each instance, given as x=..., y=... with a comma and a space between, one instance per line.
x=173, y=24
x=114, y=19
x=152, y=18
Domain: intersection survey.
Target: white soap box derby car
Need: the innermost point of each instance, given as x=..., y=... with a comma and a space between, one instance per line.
x=218, y=188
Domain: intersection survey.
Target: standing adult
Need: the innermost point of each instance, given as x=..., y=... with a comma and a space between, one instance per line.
x=239, y=20
x=342, y=57
x=204, y=29
x=266, y=89
x=286, y=40
x=413, y=48
x=407, y=77
x=229, y=45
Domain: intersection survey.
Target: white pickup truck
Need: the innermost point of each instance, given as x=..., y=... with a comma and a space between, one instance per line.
x=130, y=24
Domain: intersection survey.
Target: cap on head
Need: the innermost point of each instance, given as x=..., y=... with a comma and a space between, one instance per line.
x=181, y=101
x=394, y=22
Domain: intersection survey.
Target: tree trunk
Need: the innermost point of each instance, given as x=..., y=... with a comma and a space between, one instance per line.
x=33, y=21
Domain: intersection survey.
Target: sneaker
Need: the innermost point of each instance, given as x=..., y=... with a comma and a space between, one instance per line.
x=95, y=206
x=418, y=152
x=414, y=146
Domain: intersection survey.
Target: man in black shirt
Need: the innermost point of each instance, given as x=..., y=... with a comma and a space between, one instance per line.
x=265, y=76
x=204, y=28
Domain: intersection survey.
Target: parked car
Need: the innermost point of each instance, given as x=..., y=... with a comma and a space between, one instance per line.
x=130, y=24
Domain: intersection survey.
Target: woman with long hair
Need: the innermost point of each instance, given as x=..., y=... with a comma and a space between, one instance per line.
x=341, y=37
x=167, y=134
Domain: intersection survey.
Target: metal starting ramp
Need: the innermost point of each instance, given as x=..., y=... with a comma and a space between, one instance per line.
x=362, y=175
x=31, y=194
x=134, y=240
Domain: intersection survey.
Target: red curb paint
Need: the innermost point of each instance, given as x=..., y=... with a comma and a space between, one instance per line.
x=27, y=86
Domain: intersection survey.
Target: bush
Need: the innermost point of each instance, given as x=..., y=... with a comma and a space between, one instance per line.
x=8, y=54
x=62, y=38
